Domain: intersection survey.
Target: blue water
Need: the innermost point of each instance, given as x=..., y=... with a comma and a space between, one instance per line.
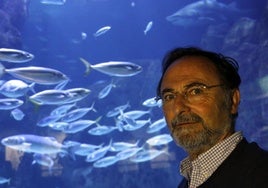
x=53, y=34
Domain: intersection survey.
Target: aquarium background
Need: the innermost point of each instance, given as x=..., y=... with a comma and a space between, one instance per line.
x=59, y=35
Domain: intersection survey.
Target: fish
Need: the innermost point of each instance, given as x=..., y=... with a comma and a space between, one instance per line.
x=53, y=2
x=85, y=149
x=15, y=56
x=44, y=160
x=16, y=88
x=101, y=130
x=127, y=153
x=75, y=114
x=59, y=97
x=4, y=180
x=79, y=125
x=39, y=75
x=105, y=162
x=116, y=110
x=59, y=125
x=97, y=154
x=148, y=27
x=119, y=146
x=106, y=90
x=151, y=102
x=78, y=94
x=146, y=155
x=17, y=114
x=158, y=140
x=101, y=31
x=62, y=110
x=134, y=114
x=156, y=126
x=114, y=68
x=138, y=124
x=51, y=97
x=10, y=103
x=30, y=143
x=48, y=120
x=204, y=12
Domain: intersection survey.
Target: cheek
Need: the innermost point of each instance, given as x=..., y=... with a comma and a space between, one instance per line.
x=168, y=116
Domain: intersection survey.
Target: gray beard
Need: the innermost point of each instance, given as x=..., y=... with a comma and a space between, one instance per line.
x=189, y=139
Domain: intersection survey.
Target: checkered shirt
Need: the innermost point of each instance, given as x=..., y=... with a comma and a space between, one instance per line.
x=199, y=170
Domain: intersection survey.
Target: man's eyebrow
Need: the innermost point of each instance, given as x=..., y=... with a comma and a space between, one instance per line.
x=192, y=84
x=167, y=90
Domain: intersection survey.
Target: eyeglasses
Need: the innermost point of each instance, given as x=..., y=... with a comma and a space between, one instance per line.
x=194, y=93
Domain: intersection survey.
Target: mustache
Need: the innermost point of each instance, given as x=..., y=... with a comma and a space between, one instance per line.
x=183, y=119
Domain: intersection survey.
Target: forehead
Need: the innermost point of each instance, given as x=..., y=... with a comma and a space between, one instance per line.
x=191, y=69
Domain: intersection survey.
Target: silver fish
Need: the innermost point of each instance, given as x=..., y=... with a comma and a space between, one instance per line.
x=43, y=159
x=79, y=125
x=15, y=56
x=17, y=114
x=16, y=88
x=146, y=155
x=114, y=68
x=75, y=114
x=34, y=144
x=53, y=2
x=159, y=140
x=4, y=180
x=97, y=154
x=106, y=161
x=148, y=27
x=78, y=94
x=39, y=75
x=125, y=154
x=59, y=97
x=101, y=130
x=156, y=126
x=51, y=97
x=101, y=31
x=10, y=103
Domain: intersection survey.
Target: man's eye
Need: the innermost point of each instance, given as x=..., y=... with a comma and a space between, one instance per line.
x=168, y=97
x=195, y=91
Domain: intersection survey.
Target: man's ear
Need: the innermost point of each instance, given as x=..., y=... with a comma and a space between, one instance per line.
x=235, y=101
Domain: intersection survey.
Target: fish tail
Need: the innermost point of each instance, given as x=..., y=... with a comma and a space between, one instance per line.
x=87, y=65
x=2, y=70
x=92, y=107
x=31, y=87
x=98, y=119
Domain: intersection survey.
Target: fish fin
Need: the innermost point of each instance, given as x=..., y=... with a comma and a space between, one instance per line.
x=87, y=65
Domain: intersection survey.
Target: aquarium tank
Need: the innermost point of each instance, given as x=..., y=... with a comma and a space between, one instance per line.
x=78, y=83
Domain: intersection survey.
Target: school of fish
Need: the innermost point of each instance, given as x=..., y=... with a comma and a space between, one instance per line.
x=69, y=118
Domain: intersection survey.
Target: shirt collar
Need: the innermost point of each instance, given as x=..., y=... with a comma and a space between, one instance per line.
x=211, y=159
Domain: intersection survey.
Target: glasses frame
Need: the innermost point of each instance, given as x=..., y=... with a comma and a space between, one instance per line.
x=204, y=86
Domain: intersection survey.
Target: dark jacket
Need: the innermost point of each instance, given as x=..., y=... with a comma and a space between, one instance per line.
x=245, y=167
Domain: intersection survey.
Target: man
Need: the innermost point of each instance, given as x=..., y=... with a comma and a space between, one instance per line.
x=200, y=96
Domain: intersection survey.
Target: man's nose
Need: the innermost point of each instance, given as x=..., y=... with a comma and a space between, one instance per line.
x=181, y=104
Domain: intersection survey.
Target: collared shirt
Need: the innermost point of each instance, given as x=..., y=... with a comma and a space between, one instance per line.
x=199, y=170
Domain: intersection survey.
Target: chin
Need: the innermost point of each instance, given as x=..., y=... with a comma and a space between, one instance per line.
x=188, y=139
